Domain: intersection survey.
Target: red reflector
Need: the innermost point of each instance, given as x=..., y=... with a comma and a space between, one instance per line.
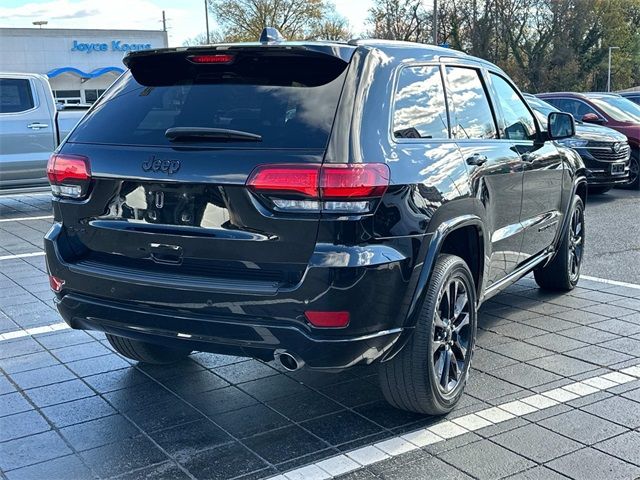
x=56, y=283
x=67, y=167
x=327, y=319
x=301, y=179
x=364, y=180
x=217, y=58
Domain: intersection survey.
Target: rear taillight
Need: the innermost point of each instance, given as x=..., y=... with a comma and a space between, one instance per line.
x=69, y=175
x=339, y=188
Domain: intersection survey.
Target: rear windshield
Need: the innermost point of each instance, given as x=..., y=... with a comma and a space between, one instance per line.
x=290, y=101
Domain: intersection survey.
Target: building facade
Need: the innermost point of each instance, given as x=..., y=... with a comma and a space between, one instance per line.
x=80, y=64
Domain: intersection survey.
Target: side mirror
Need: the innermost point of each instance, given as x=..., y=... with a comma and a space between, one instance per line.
x=593, y=118
x=561, y=125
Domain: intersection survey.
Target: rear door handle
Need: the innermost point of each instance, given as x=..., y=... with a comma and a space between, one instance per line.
x=37, y=126
x=476, y=159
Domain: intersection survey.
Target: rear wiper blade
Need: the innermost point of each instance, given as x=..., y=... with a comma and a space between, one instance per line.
x=213, y=134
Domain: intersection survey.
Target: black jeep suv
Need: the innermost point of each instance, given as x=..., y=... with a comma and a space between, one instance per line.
x=329, y=204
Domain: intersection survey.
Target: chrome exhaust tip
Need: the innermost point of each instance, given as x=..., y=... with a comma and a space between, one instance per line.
x=287, y=360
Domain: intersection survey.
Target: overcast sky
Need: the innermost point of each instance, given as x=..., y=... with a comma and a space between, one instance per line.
x=185, y=18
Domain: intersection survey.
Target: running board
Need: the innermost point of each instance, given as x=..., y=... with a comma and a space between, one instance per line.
x=516, y=275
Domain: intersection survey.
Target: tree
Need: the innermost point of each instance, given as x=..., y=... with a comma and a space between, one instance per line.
x=332, y=27
x=405, y=20
x=201, y=39
x=547, y=45
x=244, y=20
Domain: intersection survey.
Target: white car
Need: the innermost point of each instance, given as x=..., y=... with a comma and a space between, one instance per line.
x=31, y=127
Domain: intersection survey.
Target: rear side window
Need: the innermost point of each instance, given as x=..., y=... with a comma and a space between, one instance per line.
x=290, y=101
x=518, y=121
x=420, y=109
x=470, y=112
x=15, y=95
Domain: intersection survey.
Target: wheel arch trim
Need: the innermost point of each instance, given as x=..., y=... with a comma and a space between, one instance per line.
x=435, y=247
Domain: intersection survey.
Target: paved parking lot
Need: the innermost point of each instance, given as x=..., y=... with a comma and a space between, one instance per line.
x=554, y=393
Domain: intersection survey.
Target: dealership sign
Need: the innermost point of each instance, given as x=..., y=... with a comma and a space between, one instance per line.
x=113, y=46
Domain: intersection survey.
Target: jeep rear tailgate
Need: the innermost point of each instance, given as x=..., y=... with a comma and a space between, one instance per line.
x=178, y=205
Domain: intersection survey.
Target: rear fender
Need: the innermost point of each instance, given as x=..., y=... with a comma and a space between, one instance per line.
x=444, y=228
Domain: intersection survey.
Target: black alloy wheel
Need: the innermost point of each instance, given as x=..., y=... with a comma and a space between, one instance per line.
x=451, y=335
x=429, y=373
x=634, y=171
x=576, y=244
x=562, y=273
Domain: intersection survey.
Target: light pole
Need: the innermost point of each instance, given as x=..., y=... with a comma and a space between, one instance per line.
x=206, y=17
x=435, y=22
x=609, y=74
x=40, y=23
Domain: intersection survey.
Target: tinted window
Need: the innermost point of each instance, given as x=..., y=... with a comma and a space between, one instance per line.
x=15, y=95
x=469, y=108
x=420, y=109
x=289, y=101
x=518, y=121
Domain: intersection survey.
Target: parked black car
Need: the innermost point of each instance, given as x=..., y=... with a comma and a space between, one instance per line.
x=328, y=204
x=604, y=151
x=608, y=109
x=633, y=96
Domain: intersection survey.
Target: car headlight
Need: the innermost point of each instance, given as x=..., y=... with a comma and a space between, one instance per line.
x=573, y=142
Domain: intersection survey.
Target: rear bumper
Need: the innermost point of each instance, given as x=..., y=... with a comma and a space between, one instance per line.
x=227, y=336
x=248, y=323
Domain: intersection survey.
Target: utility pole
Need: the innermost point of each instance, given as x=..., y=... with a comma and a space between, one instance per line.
x=206, y=17
x=435, y=22
x=609, y=72
x=164, y=22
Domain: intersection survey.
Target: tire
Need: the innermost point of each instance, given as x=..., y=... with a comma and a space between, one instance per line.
x=413, y=380
x=145, y=352
x=563, y=272
x=598, y=190
x=634, y=170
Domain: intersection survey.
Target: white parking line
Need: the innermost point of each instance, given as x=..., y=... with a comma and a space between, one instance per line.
x=33, y=331
x=35, y=193
x=447, y=429
x=611, y=282
x=24, y=219
x=22, y=255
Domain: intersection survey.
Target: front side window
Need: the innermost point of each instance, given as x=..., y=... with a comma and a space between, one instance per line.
x=420, y=109
x=15, y=95
x=470, y=112
x=518, y=120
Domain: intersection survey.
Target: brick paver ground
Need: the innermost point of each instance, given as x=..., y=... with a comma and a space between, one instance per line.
x=70, y=408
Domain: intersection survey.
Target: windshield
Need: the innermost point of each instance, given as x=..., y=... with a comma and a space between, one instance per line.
x=286, y=102
x=541, y=108
x=618, y=108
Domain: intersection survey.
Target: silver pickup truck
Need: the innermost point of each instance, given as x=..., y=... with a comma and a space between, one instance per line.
x=31, y=127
